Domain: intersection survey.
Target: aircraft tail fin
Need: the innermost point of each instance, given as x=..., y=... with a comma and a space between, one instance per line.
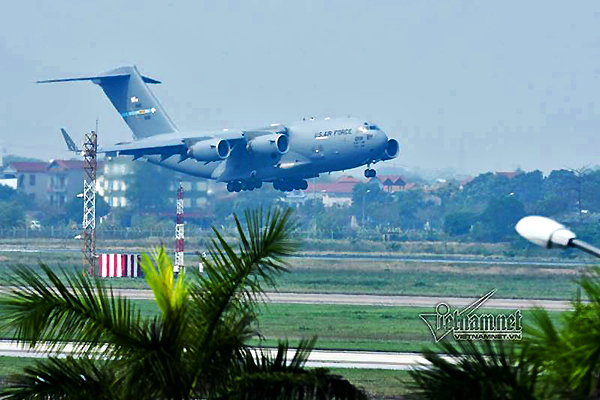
x=70, y=143
x=127, y=90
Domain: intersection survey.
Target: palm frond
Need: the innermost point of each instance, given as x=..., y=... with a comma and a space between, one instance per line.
x=262, y=376
x=225, y=298
x=56, y=378
x=468, y=371
x=570, y=351
x=170, y=295
x=49, y=311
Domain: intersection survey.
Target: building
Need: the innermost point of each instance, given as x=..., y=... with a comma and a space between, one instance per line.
x=32, y=178
x=338, y=192
x=65, y=181
x=8, y=179
x=55, y=182
x=390, y=183
x=115, y=178
x=112, y=181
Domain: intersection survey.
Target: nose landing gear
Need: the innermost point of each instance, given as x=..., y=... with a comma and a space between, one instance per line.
x=370, y=173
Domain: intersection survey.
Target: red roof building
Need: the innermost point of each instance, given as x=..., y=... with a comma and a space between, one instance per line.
x=342, y=186
x=391, y=183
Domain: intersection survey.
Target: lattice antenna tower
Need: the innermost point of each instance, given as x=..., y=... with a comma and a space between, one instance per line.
x=90, y=148
x=179, y=233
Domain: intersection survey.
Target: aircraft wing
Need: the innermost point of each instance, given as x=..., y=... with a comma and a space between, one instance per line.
x=166, y=146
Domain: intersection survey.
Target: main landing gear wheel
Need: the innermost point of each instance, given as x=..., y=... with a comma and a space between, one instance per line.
x=237, y=186
x=288, y=185
x=234, y=186
x=370, y=173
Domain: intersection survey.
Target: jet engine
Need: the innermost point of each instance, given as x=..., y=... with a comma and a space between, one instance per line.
x=391, y=149
x=210, y=150
x=267, y=144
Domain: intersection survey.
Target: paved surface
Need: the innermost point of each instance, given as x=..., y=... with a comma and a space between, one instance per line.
x=355, y=256
x=318, y=358
x=378, y=300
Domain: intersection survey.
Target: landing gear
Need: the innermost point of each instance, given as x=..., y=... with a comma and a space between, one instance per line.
x=234, y=186
x=289, y=185
x=370, y=173
x=250, y=184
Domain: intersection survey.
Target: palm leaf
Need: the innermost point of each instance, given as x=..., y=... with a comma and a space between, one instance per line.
x=70, y=378
x=262, y=376
x=469, y=371
x=49, y=311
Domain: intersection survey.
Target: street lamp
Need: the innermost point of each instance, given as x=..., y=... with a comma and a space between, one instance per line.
x=548, y=233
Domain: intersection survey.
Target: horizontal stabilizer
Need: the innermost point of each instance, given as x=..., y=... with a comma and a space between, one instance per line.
x=97, y=78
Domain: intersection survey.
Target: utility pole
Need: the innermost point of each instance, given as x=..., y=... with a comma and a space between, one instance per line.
x=90, y=147
x=179, y=233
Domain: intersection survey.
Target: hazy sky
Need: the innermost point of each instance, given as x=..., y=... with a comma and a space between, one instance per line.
x=475, y=86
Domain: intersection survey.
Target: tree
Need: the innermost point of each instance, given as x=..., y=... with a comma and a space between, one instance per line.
x=569, y=351
x=528, y=187
x=149, y=189
x=499, y=218
x=12, y=215
x=469, y=371
x=195, y=348
x=485, y=187
x=459, y=223
x=410, y=202
x=7, y=193
x=74, y=209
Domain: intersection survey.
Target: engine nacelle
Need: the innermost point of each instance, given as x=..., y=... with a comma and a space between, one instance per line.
x=268, y=144
x=210, y=150
x=391, y=149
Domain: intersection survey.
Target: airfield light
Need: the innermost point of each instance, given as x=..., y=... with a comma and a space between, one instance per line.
x=548, y=233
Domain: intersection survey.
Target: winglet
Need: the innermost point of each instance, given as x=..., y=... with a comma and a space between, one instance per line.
x=70, y=143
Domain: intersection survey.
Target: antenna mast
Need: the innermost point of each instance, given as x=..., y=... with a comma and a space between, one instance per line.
x=90, y=147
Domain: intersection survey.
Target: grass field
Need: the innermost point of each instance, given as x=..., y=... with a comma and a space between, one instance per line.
x=346, y=327
x=378, y=276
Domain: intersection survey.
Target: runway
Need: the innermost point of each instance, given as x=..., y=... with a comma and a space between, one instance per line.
x=434, y=259
x=318, y=358
x=379, y=300
x=375, y=300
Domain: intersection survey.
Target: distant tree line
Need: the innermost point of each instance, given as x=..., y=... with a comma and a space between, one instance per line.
x=485, y=208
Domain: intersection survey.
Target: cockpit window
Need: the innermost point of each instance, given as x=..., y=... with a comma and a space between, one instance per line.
x=373, y=127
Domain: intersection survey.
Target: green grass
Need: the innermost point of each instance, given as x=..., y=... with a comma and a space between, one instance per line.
x=375, y=276
x=345, y=327
x=353, y=327
x=14, y=365
x=377, y=383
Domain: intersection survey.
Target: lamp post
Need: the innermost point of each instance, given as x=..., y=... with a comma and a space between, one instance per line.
x=548, y=233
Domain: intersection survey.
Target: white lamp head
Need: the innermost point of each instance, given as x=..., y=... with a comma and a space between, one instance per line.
x=544, y=232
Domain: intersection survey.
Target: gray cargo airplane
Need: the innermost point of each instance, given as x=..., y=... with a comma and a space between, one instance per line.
x=285, y=155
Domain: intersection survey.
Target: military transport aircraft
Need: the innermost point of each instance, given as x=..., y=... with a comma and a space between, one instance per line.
x=284, y=154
